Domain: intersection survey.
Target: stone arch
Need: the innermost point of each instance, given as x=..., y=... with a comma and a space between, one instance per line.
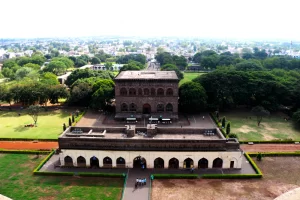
x=188, y=163
x=140, y=91
x=169, y=92
x=173, y=163
x=203, y=163
x=146, y=91
x=217, y=163
x=132, y=91
x=94, y=162
x=160, y=92
x=153, y=92
x=81, y=162
x=159, y=163
x=139, y=162
x=123, y=92
x=68, y=161
x=132, y=107
x=107, y=162
x=121, y=162
x=124, y=107
x=160, y=107
x=146, y=108
x=169, y=107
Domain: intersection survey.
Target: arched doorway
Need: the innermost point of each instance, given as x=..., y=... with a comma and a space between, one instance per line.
x=107, y=162
x=139, y=162
x=217, y=163
x=81, y=161
x=120, y=162
x=159, y=163
x=173, y=163
x=94, y=162
x=188, y=163
x=146, y=109
x=68, y=161
x=203, y=163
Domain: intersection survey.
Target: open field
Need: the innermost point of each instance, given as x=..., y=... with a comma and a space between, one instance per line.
x=49, y=124
x=189, y=77
x=272, y=127
x=281, y=174
x=17, y=182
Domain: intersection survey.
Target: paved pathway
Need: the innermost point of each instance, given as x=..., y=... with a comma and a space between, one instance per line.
x=142, y=192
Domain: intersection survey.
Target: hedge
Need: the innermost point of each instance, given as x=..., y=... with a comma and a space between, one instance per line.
x=175, y=176
x=24, y=151
x=231, y=176
x=28, y=139
x=36, y=170
x=102, y=174
x=77, y=119
x=54, y=173
x=276, y=154
x=270, y=142
x=257, y=170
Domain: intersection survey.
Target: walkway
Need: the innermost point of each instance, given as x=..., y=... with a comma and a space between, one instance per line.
x=142, y=192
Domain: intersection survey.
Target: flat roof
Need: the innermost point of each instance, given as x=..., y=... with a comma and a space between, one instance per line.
x=146, y=75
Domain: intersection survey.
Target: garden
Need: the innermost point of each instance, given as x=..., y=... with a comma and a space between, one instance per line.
x=18, y=124
x=189, y=76
x=277, y=180
x=276, y=126
x=18, y=182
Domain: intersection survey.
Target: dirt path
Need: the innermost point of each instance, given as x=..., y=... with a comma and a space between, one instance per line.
x=271, y=147
x=30, y=145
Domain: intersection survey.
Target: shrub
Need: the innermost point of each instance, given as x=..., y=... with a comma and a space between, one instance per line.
x=231, y=176
x=175, y=176
x=232, y=135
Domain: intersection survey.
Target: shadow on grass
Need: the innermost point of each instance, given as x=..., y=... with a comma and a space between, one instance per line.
x=21, y=128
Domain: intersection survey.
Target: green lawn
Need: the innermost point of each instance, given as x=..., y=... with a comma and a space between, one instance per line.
x=189, y=77
x=18, y=182
x=273, y=127
x=49, y=124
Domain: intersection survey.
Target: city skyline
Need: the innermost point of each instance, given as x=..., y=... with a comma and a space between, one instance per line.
x=230, y=19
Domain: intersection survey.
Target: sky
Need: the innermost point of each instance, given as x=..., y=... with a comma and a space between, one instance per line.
x=228, y=19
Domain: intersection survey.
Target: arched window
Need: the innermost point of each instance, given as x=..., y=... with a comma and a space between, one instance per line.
x=140, y=91
x=203, y=163
x=132, y=91
x=173, y=163
x=107, y=162
x=146, y=91
x=124, y=107
x=68, y=161
x=159, y=163
x=160, y=107
x=169, y=92
x=217, y=163
x=81, y=161
x=152, y=92
x=160, y=92
x=169, y=107
x=123, y=92
x=132, y=107
x=188, y=163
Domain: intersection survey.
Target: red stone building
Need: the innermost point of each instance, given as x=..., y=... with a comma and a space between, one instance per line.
x=146, y=94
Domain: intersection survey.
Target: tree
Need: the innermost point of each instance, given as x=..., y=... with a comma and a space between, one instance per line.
x=70, y=122
x=232, y=135
x=259, y=112
x=172, y=67
x=26, y=72
x=80, y=62
x=209, y=62
x=259, y=157
x=108, y=65
x=192, y=97
x=8, y=73
x=32, y=66
x=34, y=111
x=249, y=65
x=56, y=67
x=49, y=78
x=228, y=128
x=73, y=118
x=296, y=117
x=95, y=60
x=223, y=122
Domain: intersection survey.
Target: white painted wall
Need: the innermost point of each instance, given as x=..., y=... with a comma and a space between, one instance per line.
x=150, y=156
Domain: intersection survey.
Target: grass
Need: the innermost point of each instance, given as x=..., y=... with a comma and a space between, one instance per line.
x=17, y=182
x=49, y=124
x=189, y=77
x=274, y=127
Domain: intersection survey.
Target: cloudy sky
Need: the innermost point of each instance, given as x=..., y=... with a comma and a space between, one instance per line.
x=266, y=19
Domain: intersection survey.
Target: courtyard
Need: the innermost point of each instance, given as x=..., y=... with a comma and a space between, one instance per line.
x=277, y=180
